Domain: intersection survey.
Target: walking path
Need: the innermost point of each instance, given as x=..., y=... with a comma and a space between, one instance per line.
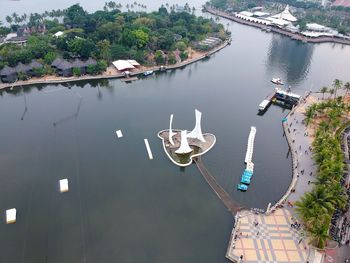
x=279, y=237
x=111, y=72
x=231, y=205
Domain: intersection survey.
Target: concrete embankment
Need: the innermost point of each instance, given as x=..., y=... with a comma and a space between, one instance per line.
x=275, y=29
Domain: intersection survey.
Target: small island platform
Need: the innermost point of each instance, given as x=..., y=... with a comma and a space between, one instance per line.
x=199, y=147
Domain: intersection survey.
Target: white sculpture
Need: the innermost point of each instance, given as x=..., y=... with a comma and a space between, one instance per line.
x=171, y=133
x=197, y=131
x=184, y=147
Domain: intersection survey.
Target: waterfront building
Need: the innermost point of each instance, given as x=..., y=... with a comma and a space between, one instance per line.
x=8, y=74
x=285, y=15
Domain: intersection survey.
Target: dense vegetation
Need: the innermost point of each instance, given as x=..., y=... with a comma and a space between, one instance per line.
x=110, y=34
x=307, y=11
x=317, y=207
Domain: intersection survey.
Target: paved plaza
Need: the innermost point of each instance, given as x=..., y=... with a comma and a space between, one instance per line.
x=271, y=240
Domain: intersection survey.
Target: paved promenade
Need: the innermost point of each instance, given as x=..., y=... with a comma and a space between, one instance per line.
x=277, y=236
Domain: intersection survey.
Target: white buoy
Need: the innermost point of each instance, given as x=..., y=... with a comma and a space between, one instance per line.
x=119, y=133
x=64, y=185
x=11, y=216
x=148, y=149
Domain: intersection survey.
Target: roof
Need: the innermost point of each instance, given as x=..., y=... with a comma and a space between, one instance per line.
x=56, y=62
x=246, y=13
x=278, y=21
x=35, y=64
x=259, y=13
x=7, y=71
x=65, y=65
x=133, y=62
x=90, y=61
x=254, y=19
x=285, y=15
x=316, y=27
x=21, y=67
x=345, y=3
x=58, y=34
x=77, y=63
x=122, y=65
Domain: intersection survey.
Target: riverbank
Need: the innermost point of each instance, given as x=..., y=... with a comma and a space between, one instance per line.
x=276, y=235
x=112, y=73
x=278, y=30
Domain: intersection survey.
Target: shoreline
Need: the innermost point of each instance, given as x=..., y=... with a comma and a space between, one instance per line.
x=283, y=208
x=43, y=80
x=275, y=29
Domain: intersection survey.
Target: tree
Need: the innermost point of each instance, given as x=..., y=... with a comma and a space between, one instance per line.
x=158, y=57
x=171, y=58
x=319, y=234
x=75, y=16
x=337, y=84
x=104, y=50
x=119, y=51
x=347, y=88
x=141, y=38
x=76, y=71
x=50, y=57
x=9, y=19
x=324, y=90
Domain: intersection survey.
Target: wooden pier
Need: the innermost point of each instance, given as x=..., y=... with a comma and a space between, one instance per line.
x=231, y=205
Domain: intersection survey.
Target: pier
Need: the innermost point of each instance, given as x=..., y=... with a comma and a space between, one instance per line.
x=226, y=199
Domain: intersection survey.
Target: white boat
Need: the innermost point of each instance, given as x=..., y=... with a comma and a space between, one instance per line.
x=148, y=72
x=277, y=81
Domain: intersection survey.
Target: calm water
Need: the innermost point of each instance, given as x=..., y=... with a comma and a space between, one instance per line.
x=123, y=207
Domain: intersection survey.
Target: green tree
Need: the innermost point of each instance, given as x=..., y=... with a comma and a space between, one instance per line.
x=158, y=57
x=104, y=50
x=50, y=57
x=141, y=38
x=323, y=90
x=76, y=72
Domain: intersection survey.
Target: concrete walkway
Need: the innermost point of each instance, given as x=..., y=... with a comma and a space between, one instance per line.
x=274, y=239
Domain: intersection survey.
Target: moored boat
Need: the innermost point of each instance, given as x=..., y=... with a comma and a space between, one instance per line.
x=148, y=72
x=277, y=81
x=242, y=187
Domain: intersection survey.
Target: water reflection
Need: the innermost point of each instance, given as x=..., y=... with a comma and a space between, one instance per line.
x=289, y=60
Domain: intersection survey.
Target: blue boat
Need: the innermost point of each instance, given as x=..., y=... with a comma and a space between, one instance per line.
x=242, y=187
x=245, y=180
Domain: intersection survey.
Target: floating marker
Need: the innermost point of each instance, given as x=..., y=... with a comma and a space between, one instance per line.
x=64, y=185
x=148, y=149
x=11, y=216
x=119, y=133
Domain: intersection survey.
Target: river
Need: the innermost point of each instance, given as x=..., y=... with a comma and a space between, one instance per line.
x=123, y=207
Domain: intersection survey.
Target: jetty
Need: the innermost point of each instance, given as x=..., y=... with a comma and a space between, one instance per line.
x=250, y=145
x=226, y=199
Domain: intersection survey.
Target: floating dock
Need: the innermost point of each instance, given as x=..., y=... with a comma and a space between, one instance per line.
x=150, y=155
x=119, y=133
x=250, y=145
x=279, y=95
x=248, y=172
x=11, y=216
x=64, y=185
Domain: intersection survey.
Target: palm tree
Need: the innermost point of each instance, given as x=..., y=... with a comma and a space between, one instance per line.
x=331, y=92
x=9, y=19
x=324, y=89
x=347, y=88
x=319, y=234
x=337, y=84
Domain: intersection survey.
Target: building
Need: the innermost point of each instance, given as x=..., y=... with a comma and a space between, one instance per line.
x=285, y=15
x=8, y=74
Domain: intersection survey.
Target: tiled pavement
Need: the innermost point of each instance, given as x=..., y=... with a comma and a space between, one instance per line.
x=272, y=240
